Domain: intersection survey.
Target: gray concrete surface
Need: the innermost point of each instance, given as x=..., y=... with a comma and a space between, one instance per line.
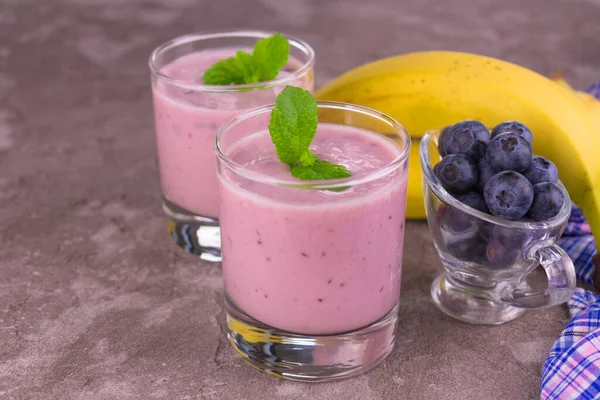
x=95, y=302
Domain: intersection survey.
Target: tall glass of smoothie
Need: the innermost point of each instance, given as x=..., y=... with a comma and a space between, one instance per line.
x=312, y=268
x=188, y=115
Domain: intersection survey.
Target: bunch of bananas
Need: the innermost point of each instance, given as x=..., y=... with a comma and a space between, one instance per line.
x=428, y=90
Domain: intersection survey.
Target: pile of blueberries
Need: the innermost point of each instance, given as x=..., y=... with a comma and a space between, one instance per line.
x=495, y=173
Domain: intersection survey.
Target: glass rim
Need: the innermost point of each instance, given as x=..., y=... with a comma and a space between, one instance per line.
x=447, y=198
x=292, y=182
x=194, y=37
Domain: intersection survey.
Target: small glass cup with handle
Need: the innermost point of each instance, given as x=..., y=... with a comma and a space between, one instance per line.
x=487, y=259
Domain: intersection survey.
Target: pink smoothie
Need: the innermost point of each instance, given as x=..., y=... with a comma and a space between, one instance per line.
x=187, y=122
x=310, y=261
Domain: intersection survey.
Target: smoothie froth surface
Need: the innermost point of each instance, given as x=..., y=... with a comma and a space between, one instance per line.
x=358, y=150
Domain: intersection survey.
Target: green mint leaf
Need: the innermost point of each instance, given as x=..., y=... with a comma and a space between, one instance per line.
x=293, y=124
x=245, y=64
x=270, y=55
x=307, y=158
x=224, y=72
x=292, y=127
x=236, y=70
x=267, y=58
x=320, y=170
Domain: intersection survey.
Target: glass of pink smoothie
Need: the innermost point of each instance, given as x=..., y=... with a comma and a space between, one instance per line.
x=188, y=115
x=312, y=268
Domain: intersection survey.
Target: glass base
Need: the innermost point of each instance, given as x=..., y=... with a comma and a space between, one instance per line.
x=195, y=234
x=472, y=304
x=310, y=358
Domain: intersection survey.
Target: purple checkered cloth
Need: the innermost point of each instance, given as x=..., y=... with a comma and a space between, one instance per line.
x=594, y=90
x=572, y=369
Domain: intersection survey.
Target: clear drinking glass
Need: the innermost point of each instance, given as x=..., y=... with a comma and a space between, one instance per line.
x=487, y=259
x=188, y=115
x=312, y=268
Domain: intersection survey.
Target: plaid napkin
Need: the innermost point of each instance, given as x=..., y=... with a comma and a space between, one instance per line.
x=594, y=90
x=572, y=369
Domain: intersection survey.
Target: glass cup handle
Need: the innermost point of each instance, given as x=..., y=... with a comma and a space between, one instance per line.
x=561, y=280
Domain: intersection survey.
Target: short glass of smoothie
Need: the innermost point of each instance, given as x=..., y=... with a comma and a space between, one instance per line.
x=188, y=115
x=312, y=268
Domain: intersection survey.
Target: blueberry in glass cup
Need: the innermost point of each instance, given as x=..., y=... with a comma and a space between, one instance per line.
x=494, y=212
x=312, y=267
x=190, y=105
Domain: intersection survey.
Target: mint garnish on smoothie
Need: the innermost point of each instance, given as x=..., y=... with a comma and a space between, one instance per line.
x=292, y=127
x=268, y=57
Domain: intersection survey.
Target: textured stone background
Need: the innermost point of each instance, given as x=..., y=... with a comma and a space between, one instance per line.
x=95, y=303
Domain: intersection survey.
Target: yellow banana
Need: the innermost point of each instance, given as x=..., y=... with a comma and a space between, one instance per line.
x=432, y=89
x=415, y=208
x=589, y=101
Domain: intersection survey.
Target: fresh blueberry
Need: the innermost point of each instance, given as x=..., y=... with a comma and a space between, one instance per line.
x=509, y=152
x=510, y=237
x=474, y=200
x=457, y=173
x=548, y=199
x=541, y=170
x=508, y=195
x=517, y=238
x=461, y=225
x=441, y=138
x=485, y=173
x=500, y=256
x=468, y=250
x=456, y=222
x=467, y=137
x=505, y=245
x=484, y=230
x=513, y=127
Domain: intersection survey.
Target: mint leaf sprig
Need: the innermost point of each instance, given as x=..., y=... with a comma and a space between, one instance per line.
x=268, y=57
x=292, y=127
